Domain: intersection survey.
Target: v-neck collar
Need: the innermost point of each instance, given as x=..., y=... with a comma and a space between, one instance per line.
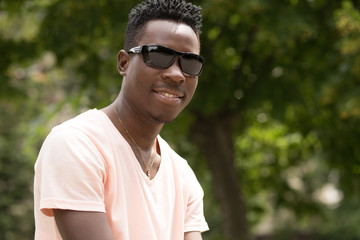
x=134, y=160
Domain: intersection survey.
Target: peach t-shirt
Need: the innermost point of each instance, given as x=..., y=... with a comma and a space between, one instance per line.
x=86, y=165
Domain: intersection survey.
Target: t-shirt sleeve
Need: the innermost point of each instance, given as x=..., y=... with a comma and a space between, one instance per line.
x=194, y=217
x=71, y=172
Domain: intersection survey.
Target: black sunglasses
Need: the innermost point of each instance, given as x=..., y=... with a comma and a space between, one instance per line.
x=158, y=56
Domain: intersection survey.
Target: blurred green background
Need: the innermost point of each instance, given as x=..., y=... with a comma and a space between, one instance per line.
x=273, y=132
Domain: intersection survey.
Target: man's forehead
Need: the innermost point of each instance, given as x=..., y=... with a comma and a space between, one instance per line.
x=157, y=31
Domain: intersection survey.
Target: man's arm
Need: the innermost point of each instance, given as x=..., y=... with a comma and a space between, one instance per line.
x=78, y=225
x=192, y=236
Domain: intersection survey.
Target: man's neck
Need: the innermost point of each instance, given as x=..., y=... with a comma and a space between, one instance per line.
x=133, y=127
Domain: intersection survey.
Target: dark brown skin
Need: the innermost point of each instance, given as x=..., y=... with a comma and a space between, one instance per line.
x=144, y=110
x=76, y=225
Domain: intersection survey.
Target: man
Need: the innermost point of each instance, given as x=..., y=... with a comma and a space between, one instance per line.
x=107, y=174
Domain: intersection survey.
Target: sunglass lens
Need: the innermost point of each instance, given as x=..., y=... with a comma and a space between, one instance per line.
x=159, y=58
x=191, y=64
x=162, y=57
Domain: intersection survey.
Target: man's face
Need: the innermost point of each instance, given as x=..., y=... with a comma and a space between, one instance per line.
x=161, y=94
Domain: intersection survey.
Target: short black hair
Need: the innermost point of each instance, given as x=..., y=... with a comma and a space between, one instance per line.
x=175, y=10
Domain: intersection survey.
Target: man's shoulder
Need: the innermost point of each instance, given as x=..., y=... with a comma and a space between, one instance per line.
x=90, y=124
x=165, y=146
x=173, y=156
x=83, y=134
x=91, y=120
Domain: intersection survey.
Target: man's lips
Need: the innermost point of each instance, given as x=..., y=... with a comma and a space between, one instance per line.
x=169, y=94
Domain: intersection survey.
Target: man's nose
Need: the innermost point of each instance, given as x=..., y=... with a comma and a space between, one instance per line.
x=174, y=72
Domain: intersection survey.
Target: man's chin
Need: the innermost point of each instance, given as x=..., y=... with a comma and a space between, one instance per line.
x=163, y=119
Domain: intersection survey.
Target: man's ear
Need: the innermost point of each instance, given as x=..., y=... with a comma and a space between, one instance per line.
x=123, y=62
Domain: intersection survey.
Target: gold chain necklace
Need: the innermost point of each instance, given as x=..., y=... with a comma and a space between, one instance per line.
x=137, y=146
